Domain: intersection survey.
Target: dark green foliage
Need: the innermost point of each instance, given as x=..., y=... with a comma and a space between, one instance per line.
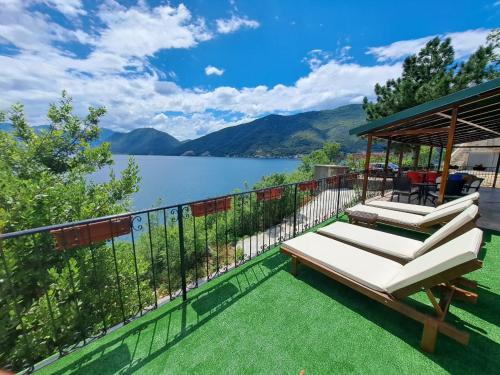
x=431, y=74
x=42, y=182
x=277, y=136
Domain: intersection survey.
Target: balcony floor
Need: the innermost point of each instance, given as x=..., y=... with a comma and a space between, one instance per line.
x=260, y=319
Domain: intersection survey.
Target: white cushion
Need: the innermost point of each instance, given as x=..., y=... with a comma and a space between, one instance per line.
x=451, y=254
x=404, y=207
x=450, y=210
x=387, y=243
x=472, y=197
x=366, y=268
x=446, y=230
x=397, y=217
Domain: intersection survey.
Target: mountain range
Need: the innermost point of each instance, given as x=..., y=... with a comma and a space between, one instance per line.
x=269, y=136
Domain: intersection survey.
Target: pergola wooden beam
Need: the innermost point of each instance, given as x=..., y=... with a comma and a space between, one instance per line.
x=367, y=166
x=411, y=132
x=447, y=156
x=469, y=123
x=387, y=152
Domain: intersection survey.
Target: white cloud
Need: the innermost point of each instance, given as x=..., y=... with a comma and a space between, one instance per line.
x=464, y=44
x=117, y=73
x=316, y=57
x=230, y=25
x=140, y=31
x=70, y=8
x=212, y=70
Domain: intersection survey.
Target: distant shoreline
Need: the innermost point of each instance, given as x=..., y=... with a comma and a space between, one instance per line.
x=224, y=157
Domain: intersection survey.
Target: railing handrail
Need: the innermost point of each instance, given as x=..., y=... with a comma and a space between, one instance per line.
x=9, y=235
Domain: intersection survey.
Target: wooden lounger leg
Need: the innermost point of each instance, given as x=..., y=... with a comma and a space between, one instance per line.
x=429, y=336
x=295, y=265
x=458, y=293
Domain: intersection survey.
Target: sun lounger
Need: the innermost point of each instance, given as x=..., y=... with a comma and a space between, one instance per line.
x=426, y=223
x=418, y=209
x=390, y=282
x=399, y=248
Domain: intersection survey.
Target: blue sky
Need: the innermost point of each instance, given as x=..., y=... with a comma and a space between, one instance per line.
x=193, y=67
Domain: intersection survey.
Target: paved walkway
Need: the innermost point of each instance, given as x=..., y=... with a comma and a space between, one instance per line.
x=489, y=209
x=320, y=208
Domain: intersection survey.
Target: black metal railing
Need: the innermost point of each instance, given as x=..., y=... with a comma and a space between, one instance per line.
x=62, y=286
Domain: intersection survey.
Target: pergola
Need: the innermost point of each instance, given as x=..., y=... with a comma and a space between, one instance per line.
x=469, y=115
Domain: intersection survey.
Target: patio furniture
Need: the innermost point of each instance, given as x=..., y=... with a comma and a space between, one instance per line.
x=473, y=186
x=390, y=282
x=423, y=188
x=416, y=177
x=426, y=223
x=399, y=248
x=453, y=190
x=431, y=177
x=403, y=186
x=363, y=218
x=418, y=209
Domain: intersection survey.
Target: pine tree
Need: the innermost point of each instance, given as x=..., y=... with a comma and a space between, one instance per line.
x=433, y=73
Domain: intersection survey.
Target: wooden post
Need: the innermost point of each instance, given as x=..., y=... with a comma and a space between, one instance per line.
x=387, y=152
x=400, y=165
x=496, y=172
x=430, y=158
x=447, y=156
x=416, y=155
x=367, y=167
x=440, y=158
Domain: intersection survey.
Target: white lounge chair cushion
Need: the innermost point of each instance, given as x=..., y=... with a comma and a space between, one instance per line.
x=403, y=207
x=386, y=243
x=448, y=229
x=394, y=245
x=366, y=268
x=473, y=197
x=397, y=217
x=418, y=209
x=451, y=254
x=445, y=212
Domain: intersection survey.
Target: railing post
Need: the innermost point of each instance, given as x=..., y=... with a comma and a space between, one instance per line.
x=339, y=182
x=496, y=172
x=182, y=252
x=295, y=211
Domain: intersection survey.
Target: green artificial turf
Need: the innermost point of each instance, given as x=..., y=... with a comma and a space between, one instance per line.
x=259, y=319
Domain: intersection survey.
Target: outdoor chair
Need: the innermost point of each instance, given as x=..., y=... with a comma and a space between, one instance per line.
x=431, y=177
x=390, y=282
x=453, y=191
x=402, y=186
x=418, y=209
x=473, y=186
x=399, y=248
x=426, y=223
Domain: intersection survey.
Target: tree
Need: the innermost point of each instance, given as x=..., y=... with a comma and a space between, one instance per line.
x=325, y=155
x=43, y=181
x=433, y=73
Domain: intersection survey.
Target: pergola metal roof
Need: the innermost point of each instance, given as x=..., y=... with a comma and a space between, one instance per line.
x=478, y=118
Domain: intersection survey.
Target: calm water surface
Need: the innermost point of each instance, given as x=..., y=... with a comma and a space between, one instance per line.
x=178, y=179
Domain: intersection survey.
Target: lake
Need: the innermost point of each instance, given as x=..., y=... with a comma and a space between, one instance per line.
x=179, y=179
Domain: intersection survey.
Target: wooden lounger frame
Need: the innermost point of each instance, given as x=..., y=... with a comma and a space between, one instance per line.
x=432, y=324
